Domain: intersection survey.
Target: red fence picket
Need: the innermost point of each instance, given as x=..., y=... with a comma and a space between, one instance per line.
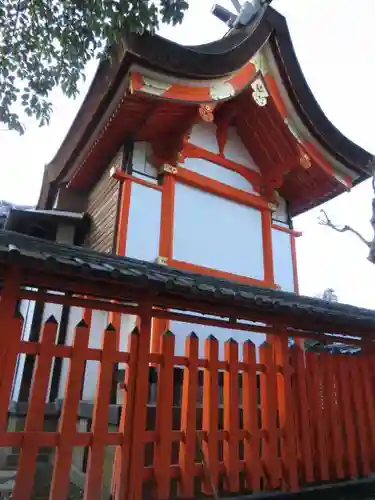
x=310, y=417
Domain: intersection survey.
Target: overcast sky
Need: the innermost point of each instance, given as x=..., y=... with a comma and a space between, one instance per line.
x=333, y=41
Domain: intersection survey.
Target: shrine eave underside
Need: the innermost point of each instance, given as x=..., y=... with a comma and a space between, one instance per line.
x=225, y=60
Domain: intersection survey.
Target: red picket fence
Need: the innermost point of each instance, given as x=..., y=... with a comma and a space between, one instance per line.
x=276, y=419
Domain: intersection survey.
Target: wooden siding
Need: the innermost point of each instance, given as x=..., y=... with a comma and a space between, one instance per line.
x=102, y=207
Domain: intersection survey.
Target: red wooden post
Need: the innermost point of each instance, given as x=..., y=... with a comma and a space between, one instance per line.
x=286, y=409
x=93, y=480
x=13, y=329
x=327, y=395
x=35, y=415
x=211, y=413
x=367, y=377
x=122, y=457
x=231, y=417
x=140, y=408
x=189, y=418
x=268, y=402
x=316, y=414
x=359, y=408
x=251, y=418
x=10, y=336
x=346, y=391
x=301, y=409
x=334, y=418
x=68, y=419
x=164, y=406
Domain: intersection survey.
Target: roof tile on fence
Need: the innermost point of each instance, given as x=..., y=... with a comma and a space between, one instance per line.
x=34, y=253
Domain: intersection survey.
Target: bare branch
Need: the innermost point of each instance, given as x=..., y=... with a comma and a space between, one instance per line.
x=324, y=220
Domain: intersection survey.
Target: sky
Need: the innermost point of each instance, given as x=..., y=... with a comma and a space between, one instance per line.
x=332, y=39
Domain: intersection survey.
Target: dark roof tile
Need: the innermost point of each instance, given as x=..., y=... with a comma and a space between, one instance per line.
x=56, y=259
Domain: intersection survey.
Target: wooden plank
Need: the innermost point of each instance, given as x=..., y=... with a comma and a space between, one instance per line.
x=10, y=336
x=93, y=478
x=120, y=482
x=367, y=377
x=164, y=404
x=316, y=415
x=211, y=414
x=334, y=390
x=35, y=415
x=68, y=419
x=301, y=410
x=140, y=405
x=102, y=207
x=347, y=415
x=250, y=418
x=231, y=417
x=354, y=363
x=189, y=418
x=327, y=422
x=286, y=414
x=268, y=404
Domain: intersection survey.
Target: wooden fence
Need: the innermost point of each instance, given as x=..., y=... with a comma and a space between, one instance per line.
x=276, y=419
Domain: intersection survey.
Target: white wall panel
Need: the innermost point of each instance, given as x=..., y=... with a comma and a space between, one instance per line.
x=218, y=173
x=75, y=316
x=144, y=223
x=54, y=310
x=204, y=136
x=140, y=163
x=214, y=232
x=282, y=260
x=99, y=322
x=236, y=151
x=281, y=213
x=27, y=308
x=182, y=330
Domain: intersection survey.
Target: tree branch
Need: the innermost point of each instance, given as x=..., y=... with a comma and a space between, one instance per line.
x=326, y=221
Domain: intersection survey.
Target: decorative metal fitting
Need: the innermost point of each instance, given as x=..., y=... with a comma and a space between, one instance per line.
x=206, y=112
x=305, y=161
x=169, y=169
x=272, y=207
x=260, y=93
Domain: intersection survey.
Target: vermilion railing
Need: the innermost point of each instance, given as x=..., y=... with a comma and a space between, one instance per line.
x=276, y=417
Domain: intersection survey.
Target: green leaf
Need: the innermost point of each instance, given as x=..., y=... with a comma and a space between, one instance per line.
x=46, y=44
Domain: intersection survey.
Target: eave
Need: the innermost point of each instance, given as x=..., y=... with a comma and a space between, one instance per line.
x=217, y=61
x=125, y=279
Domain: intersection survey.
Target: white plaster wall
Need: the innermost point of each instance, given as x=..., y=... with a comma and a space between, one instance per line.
x=56, y=311
x=144, y=223
x=236, y=151
x=204, y=135
x=128, y=323
x=140, y=164
x=282, y=260
x=99, y=323
x=280, y=216
x=182, y=330
x=219, y=173
x=27, y=308
x=214, y=232
x=75, y=316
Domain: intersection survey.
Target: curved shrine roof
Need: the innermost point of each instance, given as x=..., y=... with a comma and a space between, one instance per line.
x=209, y=62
